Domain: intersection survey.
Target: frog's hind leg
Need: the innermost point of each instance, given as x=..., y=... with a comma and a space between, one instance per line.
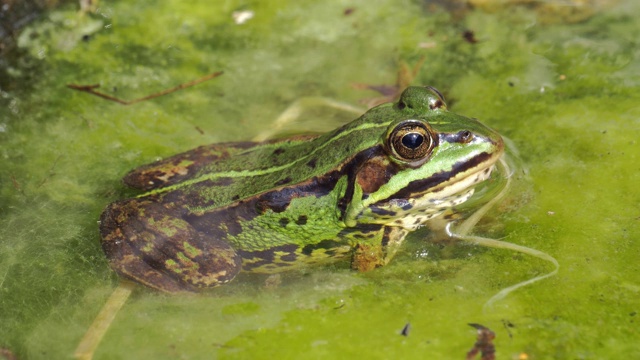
x=150, y=244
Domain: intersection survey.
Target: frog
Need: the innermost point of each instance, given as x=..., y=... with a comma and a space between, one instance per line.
x=352, y=194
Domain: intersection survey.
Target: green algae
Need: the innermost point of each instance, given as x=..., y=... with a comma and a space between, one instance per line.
x=566, y=96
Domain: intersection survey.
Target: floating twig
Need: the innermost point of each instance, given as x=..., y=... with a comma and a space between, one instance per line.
x=91, y=90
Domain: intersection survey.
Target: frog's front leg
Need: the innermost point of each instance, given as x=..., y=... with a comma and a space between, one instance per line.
x=148, y=242
x=370, y=255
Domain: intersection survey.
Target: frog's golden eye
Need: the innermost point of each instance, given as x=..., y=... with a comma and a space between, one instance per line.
x=412, y=140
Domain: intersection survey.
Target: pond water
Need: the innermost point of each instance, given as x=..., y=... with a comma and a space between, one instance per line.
x=560, y=82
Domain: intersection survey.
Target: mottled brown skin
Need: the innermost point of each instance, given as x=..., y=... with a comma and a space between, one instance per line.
x=217, y=262
x=367, y=257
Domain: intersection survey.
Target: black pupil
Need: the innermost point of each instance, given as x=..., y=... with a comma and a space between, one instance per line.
x=412, y=140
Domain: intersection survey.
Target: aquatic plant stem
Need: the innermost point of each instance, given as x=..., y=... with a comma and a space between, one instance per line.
x=101, y=323
x=461, y=233
x=294, y=111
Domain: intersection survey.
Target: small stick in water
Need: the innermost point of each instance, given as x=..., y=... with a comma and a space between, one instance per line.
x=91, y=90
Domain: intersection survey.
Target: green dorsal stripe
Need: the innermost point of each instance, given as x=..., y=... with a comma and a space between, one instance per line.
x=249, y=173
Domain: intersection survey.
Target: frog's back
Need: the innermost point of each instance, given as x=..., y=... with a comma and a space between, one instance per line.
x=221, y=174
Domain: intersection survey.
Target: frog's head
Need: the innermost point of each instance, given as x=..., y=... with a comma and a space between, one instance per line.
x=431, y=161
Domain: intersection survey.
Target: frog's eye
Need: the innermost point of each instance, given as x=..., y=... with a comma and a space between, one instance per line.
x=411, y=140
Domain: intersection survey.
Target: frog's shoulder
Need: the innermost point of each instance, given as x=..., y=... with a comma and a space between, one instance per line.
x=183, y=166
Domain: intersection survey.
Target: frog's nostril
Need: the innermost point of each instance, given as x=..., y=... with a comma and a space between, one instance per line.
x=465, y=136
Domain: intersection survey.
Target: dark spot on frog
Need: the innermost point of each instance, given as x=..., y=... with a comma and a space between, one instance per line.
x=264, y=205
x=284, y=181
x=348, y=11
x=278, y=151
x=370, y=228
x=86, y=37
x=386, y=236
x=290, y=257
x=283, y=222
x=233, y=228
x=436, y=105
x=302, y=220
x=312, y=163
x=324, y=244
x=266, y=256
x=379, y=211
x=362, y=231
x=333, y=253
x=235, y=197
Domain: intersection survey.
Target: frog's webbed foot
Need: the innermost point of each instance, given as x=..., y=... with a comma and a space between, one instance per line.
x=146, y=242
x=367, y=257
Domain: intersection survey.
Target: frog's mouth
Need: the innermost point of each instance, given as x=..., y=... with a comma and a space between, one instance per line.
x=427, y=198
x=448, y=183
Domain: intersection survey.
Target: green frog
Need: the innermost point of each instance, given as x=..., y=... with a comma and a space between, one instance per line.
x=352, y=193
